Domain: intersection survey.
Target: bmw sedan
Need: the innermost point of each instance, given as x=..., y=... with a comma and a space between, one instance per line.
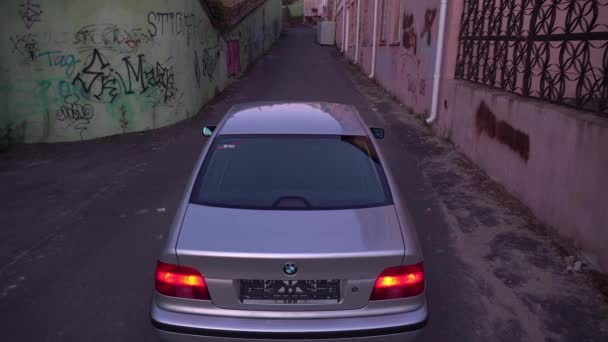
x=291, y=228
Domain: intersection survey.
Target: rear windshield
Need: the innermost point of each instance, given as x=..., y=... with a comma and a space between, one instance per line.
x=291, y=172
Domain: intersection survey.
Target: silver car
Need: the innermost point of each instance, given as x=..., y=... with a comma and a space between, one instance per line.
x=291, y=229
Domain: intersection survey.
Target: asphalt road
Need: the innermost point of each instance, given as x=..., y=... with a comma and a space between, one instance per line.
x=81, y=224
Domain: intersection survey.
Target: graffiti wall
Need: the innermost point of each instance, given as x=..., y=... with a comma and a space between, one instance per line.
x=406, y=40
x=81, y=69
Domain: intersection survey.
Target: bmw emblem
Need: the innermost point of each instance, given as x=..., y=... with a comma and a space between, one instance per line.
x=290, y=269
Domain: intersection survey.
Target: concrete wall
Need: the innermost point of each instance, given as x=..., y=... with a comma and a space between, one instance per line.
x=82, y=69
x=551, y=157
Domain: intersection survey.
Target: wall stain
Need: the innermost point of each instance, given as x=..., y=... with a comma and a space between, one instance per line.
x=429, y=18
x=516, y=140
x=409, y=32
x=197, y=70
x=233, y=60
x=124, y=122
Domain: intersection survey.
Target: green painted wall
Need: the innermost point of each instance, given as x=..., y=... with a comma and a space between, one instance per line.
x=81, y=69
x=296, y=9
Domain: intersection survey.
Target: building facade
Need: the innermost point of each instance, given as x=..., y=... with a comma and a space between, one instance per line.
x=317, y=10
x=521, y=87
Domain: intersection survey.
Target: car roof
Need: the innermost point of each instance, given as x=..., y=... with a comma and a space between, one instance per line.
x=293, y=118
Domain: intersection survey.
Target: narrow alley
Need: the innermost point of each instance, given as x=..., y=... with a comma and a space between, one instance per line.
x=83, y=222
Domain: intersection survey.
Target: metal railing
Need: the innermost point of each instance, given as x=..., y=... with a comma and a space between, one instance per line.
x=552, y=50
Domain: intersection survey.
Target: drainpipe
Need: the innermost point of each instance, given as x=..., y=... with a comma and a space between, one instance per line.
x=358, y=29
x=343, y=24
x=347, y=32
x=374, y=45
x=438, y=61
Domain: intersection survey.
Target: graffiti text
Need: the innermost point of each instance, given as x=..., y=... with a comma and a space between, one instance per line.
x=409, y=32
x=210, y=58
x=58, y=59
x=74, y=113
x=110, y=37
x=26, y=46
x=104, y=83
x=30, y=13
x=175, y=23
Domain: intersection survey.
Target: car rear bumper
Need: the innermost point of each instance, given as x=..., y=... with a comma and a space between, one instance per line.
x=174, y=326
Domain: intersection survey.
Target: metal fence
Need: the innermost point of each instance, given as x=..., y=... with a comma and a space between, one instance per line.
x=552, y=50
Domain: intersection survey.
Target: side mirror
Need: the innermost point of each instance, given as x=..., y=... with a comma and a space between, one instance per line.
x=377, y=132
x=208, y=130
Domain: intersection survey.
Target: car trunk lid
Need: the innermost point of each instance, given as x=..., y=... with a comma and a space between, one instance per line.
x=229, y=245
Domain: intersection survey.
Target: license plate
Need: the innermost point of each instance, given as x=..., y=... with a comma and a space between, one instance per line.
x=290, y=291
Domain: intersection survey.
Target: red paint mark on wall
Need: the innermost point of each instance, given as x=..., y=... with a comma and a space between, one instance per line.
x=429, y=18
x=133, y=43
x=234, y=57
x=485, y=121
x=409, y=32
x=516, y=140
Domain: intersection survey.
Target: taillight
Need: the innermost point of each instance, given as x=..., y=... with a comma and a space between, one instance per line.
x=180, y=281
x=399, y=282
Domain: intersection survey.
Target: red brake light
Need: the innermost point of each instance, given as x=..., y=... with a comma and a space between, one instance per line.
x=399, y=282
x=180, y=281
